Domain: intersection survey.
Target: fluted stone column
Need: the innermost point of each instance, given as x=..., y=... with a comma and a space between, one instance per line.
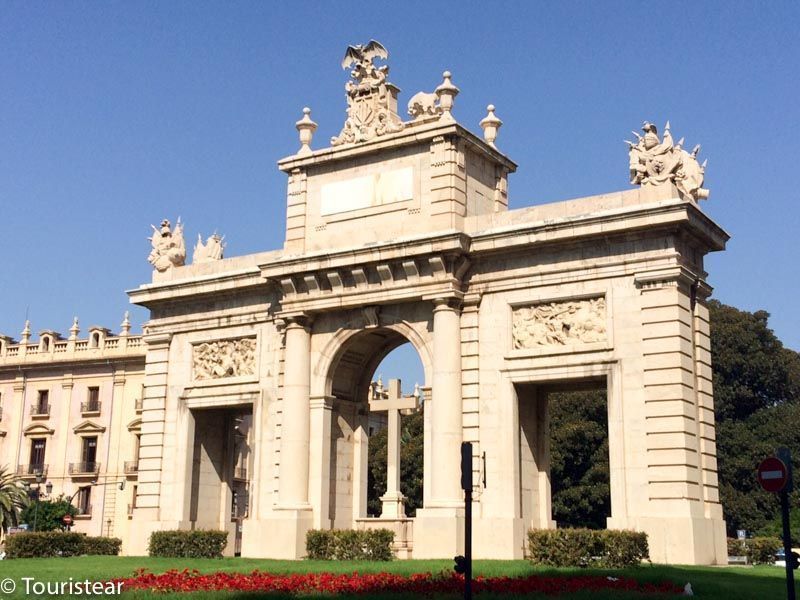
x=446, y=405
x=295, y=423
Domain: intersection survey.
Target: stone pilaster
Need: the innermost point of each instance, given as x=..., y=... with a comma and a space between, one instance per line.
x=147, y=512
x=296, y=206
x=681, y=516
x=448, y=181
x=319, y=482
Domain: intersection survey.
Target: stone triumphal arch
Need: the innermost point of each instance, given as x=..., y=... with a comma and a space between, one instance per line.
x=399, y=231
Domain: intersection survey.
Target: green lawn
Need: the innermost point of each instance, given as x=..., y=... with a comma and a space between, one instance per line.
x=718, y=583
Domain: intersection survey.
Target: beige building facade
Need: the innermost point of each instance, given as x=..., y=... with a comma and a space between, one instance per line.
x=257, y=370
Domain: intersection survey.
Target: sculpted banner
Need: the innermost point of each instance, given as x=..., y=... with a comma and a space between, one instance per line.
x=559, y=323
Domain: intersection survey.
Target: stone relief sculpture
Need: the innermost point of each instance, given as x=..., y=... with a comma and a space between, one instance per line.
x=169, y=248
x=559, y=323
x=224, y=358
x=424, y=104
x=654, y=162
x=210, y=251
x=371, y=100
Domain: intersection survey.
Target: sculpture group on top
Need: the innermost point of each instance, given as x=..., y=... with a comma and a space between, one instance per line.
x=654, y=162
x=169, y=247
x=371, y=99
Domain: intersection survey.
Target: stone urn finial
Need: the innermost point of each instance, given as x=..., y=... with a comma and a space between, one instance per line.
x=125, y=325
x=447, y=93
x=74, y=330
x=26, y=333
x=306, y=127
x=490, y=124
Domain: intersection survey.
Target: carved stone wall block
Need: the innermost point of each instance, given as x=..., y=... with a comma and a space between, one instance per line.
x=224, y=358
x=559, y=323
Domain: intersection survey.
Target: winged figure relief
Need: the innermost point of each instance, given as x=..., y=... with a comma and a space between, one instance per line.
x=169, y=248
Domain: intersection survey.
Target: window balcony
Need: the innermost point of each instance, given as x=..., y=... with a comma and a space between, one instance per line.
x=240, y=474
x=32, y=470
x=131, y=467
x=90, y=408
x=84, y=468
x=40, y=411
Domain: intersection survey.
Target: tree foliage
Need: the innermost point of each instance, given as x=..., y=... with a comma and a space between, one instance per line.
x=757, y=405
x=411, y=458
x=579, y=459
x=13, y=499
x=48, y=514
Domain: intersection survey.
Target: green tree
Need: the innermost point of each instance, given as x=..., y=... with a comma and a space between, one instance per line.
x=13, y=499
x=411, y=468
x=579, y=459
x=757, y=406
x=48, y=514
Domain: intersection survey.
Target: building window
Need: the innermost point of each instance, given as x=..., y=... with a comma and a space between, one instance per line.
x=95, y=340
x=84, y=500
x=45, y=344
x=92, y=400
x=89, y=454
x=42, y=403
x=37, y=455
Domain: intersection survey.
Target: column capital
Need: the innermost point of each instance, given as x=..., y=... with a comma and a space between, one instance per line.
x=157, y=339
x=449, y=304
x=323, y=402
x=294, y=321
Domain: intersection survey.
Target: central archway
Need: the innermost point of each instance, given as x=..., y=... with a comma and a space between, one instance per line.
x=347, y=366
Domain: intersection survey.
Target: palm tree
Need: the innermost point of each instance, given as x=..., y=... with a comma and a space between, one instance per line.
x=13, y=499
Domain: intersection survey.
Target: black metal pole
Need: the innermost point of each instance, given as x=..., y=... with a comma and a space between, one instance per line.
x=787, y=546
x=468, y=544
x=36, y=510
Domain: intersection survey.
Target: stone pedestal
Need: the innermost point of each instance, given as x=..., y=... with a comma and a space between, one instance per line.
x=281, y=535
x=438, y=532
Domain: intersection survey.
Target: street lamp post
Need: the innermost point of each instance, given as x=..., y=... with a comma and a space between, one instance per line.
x=93, y=483
x=37, y=493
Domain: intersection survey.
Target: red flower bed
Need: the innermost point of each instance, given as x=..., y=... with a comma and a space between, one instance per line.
x=370, y=583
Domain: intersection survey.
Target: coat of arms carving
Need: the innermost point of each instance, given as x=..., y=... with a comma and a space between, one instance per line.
x=371, y=99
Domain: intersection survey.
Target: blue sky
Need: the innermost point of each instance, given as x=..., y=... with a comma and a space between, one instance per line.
x=116, y=115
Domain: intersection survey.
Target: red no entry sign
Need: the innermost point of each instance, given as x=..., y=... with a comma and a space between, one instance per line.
x=772, y=474
x=66, y=519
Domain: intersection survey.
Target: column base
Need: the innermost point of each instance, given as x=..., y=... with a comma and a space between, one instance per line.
x=393, y=506
x=438, y=532
x=282, y=535
x=500, y=539
x=680, y=540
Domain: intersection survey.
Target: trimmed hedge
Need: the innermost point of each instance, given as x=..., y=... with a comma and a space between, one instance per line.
x=587, y=547
x=349, y=544
x=42, y=544
x=198, y=543
x=758, y=550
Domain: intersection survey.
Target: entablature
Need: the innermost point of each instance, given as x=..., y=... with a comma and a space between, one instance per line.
x=413, y=269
